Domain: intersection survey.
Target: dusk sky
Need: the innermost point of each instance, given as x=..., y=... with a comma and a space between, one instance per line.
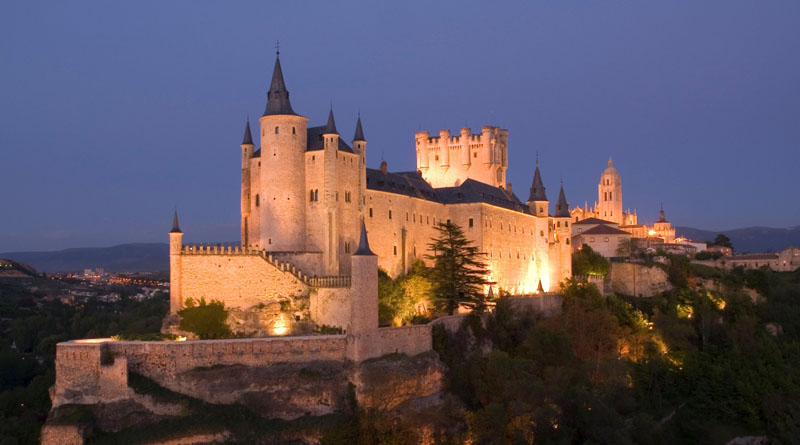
x=113, y=113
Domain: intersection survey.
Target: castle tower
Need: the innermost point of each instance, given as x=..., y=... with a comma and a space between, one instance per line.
x=247, y=154
x=360, y=147
x=281, y=205
x=363, y=328
x=175, y=266
x=538, y=204
x=609, y=195
x=561, y=254
x=330, y=199
x=448, y=161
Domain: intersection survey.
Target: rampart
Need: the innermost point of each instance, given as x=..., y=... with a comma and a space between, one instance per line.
x=97, y=369
x=410, y=340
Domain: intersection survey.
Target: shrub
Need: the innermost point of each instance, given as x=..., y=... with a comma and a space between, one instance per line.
x=588, y=262
x=206, y=320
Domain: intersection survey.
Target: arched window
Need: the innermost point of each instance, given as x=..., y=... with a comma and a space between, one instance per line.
x=311, y=195
x=293, y=131
x=276, y=130
x=316, y=194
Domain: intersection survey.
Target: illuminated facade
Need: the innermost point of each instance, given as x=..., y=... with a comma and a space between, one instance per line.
x=608, y=207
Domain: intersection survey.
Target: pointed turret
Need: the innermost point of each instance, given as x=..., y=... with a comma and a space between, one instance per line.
x=562, y=208
x=537, y=188
x=359, y=136
x=363, y=243
x=278, y=96
x=248, y=136
x=330, y=127
x=539, y=288
x=175, y=227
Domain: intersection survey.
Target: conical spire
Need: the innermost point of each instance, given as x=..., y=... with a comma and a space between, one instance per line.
x=363, y=244
x=175, y=227
x=661, y=217
x=330, y=127
x=610, y=162
x=562, y=208
x=359, y=131
x=537, y=188
x=248, y=136
x=278, y=96
x=539, y=288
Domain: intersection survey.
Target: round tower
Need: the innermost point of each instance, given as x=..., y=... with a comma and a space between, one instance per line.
x=175, y=266
x=247, y=154
x=281, y=200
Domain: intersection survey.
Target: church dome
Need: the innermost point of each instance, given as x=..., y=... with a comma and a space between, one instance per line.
x=610, y=170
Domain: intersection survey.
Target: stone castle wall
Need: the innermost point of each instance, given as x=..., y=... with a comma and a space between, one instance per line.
x=637, y=279
x=410, y=340
x=81, y=376
x=240, y=279
x=517, y=245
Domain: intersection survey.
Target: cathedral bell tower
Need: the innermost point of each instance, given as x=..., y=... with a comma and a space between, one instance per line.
x=609, y=195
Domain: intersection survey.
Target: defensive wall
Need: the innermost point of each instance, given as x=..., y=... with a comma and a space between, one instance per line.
x=92, y=370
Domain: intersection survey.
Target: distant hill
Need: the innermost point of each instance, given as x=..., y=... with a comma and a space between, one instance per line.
x=140, y=257
x=749, y=239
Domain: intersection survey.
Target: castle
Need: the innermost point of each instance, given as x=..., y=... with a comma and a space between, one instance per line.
x=305, y=192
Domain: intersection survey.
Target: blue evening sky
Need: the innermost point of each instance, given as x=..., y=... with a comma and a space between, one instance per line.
x=112, y=113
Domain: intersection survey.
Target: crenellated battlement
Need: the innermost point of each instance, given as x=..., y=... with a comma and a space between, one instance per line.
x=448, y=160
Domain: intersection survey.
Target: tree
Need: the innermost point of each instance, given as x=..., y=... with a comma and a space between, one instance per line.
x=588, y=262
x=627, y=247
x=205, y=320
x=458, y=272
x=722, y=240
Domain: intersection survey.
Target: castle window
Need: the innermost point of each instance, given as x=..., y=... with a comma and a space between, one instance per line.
x=566, y=223
x=276, y=130
x=337, y=196
x=591, y=240
x=313, y=157
x=541, y=233
x=414, y=217
x=470, y=222
x=370, y=212
x=568, y=241
x=293, y=131
x=406, y=216
x=269, y=241
x=347, y=247
x=395, y=250
x=609, y=196
x=605, y=239
x=541, y=209
x=475, y=155
x=258, y=200
x=558, y=224
x=390, y=214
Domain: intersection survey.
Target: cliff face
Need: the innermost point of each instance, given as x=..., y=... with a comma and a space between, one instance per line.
x=300, y=402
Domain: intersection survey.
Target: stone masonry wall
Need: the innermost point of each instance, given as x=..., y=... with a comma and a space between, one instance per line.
x=638, y=280
x=239, y=280
x=330, y=306
x=410, y=340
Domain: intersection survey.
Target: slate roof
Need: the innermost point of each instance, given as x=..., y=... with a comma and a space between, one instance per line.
x=562, y=208
x=359, y=136
x=537, y=187
x=470, y=191
x=315, y=142
x=278, y=95
x=176, y=228
x=363, y=243
x=603, y=229
x=593, y=221
x=248, y=136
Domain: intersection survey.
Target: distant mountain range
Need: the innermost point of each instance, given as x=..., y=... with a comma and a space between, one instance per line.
x=749, y=239
x=146, y=257
x=139, y=257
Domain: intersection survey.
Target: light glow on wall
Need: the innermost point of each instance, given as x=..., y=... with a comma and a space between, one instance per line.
x=281, y=326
